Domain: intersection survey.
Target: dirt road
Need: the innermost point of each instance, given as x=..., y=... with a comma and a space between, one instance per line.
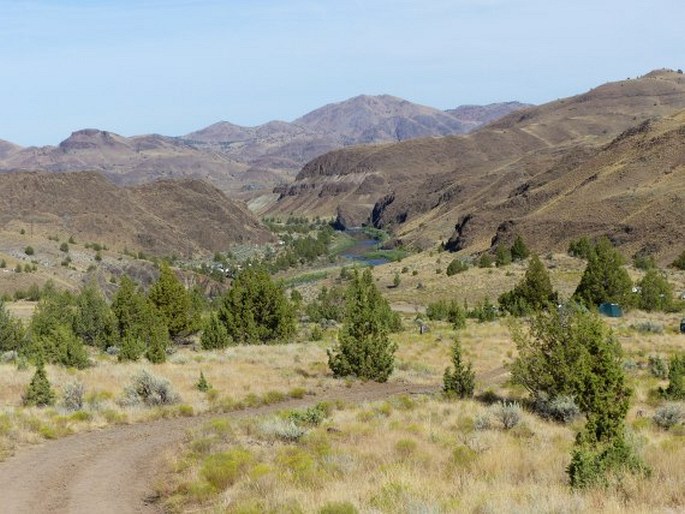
x=113, y=470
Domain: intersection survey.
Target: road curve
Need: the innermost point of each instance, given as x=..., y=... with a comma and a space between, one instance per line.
x=113, y=470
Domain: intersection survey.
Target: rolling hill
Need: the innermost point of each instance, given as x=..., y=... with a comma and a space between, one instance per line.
x=183, y=217
x=508, y=176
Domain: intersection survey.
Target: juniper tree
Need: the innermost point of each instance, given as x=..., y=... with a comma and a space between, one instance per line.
x=604, y=278
x=656, y=294
x=364, y=349
x=94, y=321
x=39, y=393
x=11, y=330
x=214, y=336
x=532, y=294
x=174, y=302
x=256, y=310
x=519, y=250
x=460, y=379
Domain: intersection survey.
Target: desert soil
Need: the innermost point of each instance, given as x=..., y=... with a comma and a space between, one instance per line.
x=114, y=470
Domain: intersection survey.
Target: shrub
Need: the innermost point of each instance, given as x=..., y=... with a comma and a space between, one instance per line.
x=485, y=261
x=316, y=333
x=502, y=256
x=29, y=250
x=508, y=414
x=311, y=416
x=461, y=380
x=39, y=393
x=648, y=327
x=482, y=422
x=72, y=397
x=562, y=408
x=676, y=378
x=581, y=248
x=202, y=384
x=668, y=416
x=223, y=469
x=484, y=311
x=456, y=266
x=64, y=247
x=281, y=429
x=658, y=367
x=149, y=390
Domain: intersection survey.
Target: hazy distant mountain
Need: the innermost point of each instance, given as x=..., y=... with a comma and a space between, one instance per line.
x=236, y=158
x=549, y=172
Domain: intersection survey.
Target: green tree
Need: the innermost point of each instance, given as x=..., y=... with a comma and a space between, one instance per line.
x=141, y=328
x=656, y=294
x=485, y=260
x=94, y=321
x=519, y=250
x=605, y=279
x=329, y=304
x=456, y=266
x=214, y=336
x=532, y=294
x=571, y=352
x=581, y=248
x=39, y=393
x=676, y=378
x=459, y=380
x=364, y=349
x=174, y=303
x=502, y=255
x=256, y=310
x=11, y=330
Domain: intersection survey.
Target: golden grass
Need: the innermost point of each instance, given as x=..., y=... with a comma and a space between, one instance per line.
x=419, y=454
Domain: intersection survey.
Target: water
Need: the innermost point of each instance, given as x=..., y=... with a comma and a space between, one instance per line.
x=359, y=251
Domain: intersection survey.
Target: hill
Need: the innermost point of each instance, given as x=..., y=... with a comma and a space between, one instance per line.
x=236, y=158
x=422, y=189
x=182, y=217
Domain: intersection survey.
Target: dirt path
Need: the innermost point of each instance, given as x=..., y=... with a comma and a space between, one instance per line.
x=113, y=470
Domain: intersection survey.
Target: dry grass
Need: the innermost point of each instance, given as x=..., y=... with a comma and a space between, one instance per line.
x=420, y=454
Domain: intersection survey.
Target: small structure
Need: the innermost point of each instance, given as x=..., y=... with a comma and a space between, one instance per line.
x=612, y=310
x=423, y=329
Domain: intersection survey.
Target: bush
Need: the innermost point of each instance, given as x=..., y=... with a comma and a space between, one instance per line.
x=658, y=367
x=202, y=384
x=562, y=409
x=676, y=378
x=72, y=398
x=311, y=416
x=648, y=327
x=456, y=266
x=39, y=393
x=223, y=469
x=485, y=261
x=64, y=247
x=29, y=250
x=519, y=250
x=668, y=416
x=281, y=429
x=149, y=390
x=581, y=248
x=508, y=414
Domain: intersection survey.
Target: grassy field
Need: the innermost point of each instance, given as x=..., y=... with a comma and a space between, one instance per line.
x=430, y=454
x=408, y=454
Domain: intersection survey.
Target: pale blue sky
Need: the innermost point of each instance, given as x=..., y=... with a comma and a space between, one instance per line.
x=171, y=67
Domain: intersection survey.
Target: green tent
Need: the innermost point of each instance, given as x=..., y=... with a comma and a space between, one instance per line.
x=613, y=310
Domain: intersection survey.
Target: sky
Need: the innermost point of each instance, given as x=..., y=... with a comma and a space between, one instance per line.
x=174, y=66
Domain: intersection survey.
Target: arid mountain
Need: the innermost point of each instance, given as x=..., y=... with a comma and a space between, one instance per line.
x=238, y=158
x=422, y=188
x=185, y=217
x=478, y=115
